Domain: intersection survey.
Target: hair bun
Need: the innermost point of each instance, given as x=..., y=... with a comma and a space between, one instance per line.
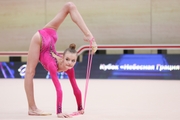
x=72, y=46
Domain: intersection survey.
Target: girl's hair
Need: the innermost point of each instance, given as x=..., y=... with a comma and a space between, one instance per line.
x=71, y=49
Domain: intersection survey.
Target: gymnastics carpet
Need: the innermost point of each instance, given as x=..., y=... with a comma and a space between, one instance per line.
x=106, y=99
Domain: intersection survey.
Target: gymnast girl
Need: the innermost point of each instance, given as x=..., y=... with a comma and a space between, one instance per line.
x=42, y=48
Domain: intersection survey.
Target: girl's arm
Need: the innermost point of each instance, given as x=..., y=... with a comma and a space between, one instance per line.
x=75, y=87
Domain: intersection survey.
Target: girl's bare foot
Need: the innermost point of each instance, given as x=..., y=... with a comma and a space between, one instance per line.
x=91, y=39
x=63, y=115
x=88, y=37
x=94, y=45
x=38, y=112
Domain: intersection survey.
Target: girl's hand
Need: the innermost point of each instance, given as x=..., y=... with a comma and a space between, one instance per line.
x=63, y=115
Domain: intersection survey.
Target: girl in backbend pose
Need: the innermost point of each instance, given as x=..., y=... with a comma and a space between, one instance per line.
x=42, y=48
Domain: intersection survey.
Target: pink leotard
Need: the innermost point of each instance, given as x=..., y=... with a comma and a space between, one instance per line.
x=49, y=38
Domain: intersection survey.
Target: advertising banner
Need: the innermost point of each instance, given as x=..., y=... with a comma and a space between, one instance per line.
x=126, y=66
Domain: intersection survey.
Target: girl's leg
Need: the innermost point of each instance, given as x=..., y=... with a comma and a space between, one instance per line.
x=70, y=8
x=32, y=61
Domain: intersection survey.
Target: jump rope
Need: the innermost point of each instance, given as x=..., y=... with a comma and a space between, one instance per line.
x=90, y=56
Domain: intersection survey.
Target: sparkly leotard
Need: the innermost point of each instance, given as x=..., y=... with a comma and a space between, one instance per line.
x=49, y=38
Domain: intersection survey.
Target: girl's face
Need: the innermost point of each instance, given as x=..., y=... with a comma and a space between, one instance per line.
x=69, y=60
